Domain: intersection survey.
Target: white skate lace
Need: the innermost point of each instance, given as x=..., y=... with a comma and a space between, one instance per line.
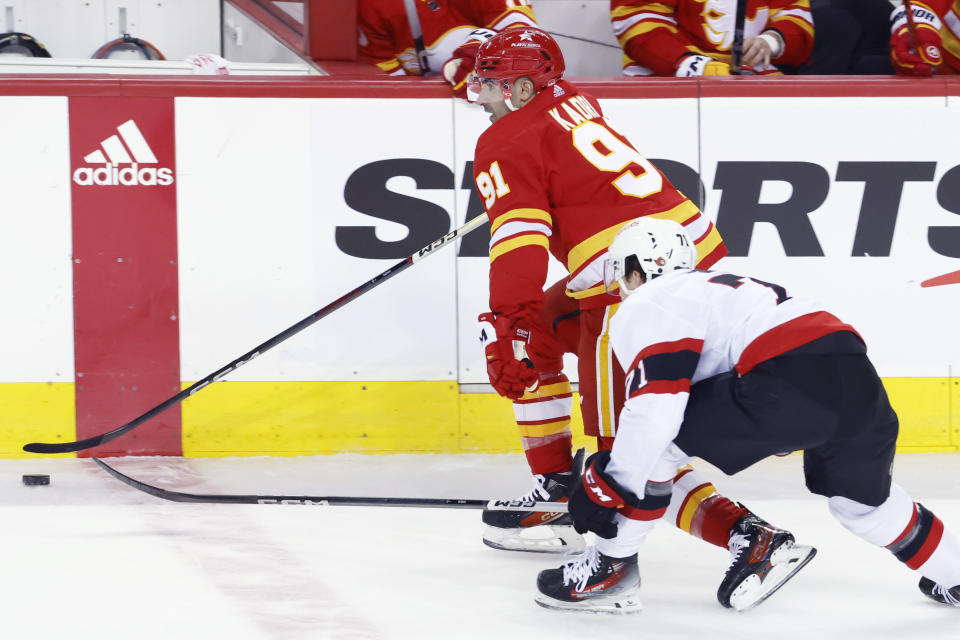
x=738, y=542
x=580, y=567
x=539, y=490
x=943, y=592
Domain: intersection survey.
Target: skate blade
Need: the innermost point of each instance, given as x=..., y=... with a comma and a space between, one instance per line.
x=545, y=538
x=786, y=561
x=622, y=605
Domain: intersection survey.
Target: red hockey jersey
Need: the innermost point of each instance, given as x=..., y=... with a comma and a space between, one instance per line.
x=950, y=34
x=948, y=11
x=654, y=35
x=556, y=176
x=386, y=39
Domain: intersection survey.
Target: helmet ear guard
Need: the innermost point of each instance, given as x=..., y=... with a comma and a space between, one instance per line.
x=506, y=88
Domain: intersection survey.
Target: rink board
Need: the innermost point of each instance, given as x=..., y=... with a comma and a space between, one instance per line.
x=299, y=418
x=339, y=180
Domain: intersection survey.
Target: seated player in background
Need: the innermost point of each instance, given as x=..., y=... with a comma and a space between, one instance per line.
x=853, y=37
x=450, y=30
x=557, y=177
x=925, y=37
x=687, y=38
x=733, y=369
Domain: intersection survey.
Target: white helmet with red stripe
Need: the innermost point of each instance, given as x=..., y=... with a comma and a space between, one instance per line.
x=653, y=246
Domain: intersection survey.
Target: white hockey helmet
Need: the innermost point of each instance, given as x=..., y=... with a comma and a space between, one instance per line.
x=652, y=245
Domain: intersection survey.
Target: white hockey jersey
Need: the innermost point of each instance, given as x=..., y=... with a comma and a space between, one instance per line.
x=681, y=328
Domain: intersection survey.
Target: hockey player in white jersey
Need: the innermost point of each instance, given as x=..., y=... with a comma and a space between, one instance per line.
x=733, y=369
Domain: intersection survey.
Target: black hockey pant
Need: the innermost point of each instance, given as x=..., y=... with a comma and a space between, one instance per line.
x=824, y=398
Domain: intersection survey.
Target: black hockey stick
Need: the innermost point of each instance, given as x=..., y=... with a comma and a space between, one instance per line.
x=911, y=25
x=413, y=21
x=587, y=40
x=736, y=50
x=79, y=445
x=330, y=501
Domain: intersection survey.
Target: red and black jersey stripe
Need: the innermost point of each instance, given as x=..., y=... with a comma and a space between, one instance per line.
x=665, y=367
x=919, y=539
x=656, y=499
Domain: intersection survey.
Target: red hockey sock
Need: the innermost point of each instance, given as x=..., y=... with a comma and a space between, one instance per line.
x=721, y=513
x=604, y=443
x=552, y=457
x=698, y=509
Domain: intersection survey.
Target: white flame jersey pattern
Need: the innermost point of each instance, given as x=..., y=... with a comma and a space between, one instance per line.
x=718, y=22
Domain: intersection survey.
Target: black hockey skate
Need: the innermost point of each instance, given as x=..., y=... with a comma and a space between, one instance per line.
x=764, y=558
x=939, y=593
x=537, y=531
x=593, y=582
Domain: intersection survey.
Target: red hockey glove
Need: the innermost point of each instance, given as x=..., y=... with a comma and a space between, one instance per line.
x=461, y=64
x=504, y=341
x=596, y=498
x=920, y=58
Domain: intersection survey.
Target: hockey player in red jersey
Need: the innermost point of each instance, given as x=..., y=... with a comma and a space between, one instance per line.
x=925, y=37
x=950, y=39
x=733, y=369
x=434, y=37
x=556, y=177
x=688, y=38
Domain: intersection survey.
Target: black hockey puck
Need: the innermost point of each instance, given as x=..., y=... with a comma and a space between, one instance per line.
x=34, y=479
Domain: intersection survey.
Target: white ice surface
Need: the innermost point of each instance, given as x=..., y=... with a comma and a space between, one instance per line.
x=88, y=557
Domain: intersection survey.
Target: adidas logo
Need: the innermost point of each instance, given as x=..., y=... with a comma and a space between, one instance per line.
x=128, y=148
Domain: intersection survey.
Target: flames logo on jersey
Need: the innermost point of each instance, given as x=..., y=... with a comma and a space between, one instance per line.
x=718, y=22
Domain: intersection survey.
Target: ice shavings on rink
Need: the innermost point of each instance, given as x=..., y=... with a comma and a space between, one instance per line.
x=89, y=557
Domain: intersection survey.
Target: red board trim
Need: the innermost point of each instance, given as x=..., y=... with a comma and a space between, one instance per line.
x=825, y=87
x=365, y=86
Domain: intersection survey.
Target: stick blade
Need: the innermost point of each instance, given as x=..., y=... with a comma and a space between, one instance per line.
x=63, y=447
x=173, y=496
x=177, y=496
x=97, y=440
